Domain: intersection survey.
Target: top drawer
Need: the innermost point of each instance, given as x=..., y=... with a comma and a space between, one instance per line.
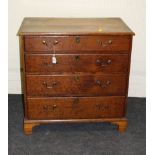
x=76, y=43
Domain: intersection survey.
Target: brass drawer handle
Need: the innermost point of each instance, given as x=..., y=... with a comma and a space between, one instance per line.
x=103, y=84
x=55, y=42
x=104, y=44
x=44, y=42
x=54, y=106
x=51, y=86
x=50, y=43
x=109, y=41
x=102, y=107
x=49, y=108
x=103, y=63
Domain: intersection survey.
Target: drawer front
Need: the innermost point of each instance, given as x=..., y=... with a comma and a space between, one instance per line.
x=78, y=85
x=108, y=63
x=77, y=43
x=75, y=108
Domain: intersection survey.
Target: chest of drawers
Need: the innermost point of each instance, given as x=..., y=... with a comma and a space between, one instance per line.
x=75, y=70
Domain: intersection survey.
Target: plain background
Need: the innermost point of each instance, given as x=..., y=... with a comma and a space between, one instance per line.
x=132, y=12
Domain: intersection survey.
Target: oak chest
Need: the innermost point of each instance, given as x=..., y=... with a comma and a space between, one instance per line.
x=75, y=70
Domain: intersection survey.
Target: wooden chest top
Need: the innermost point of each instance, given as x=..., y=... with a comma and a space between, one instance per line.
x=74, y=26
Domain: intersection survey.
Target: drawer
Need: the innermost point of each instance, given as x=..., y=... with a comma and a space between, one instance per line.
x=75, y=108
x=77, y=43
x=107, y=63
x=75, y=85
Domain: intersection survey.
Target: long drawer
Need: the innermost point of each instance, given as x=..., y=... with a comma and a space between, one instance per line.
x=75, y=85
x=77, y=43
x=75, y=108
x=104, y=63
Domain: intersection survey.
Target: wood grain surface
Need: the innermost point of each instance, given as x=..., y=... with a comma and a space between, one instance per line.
x=77, y=26
x=75, y=85
x=77, y=63
x=75, y=108
x=77, y=43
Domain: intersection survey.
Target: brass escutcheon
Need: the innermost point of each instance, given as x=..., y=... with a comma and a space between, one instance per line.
x=76, y=101
x=77, y=78
x=77, y=39
x=77, y=57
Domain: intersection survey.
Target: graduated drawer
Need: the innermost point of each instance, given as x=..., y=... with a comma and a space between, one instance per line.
x=107, y=63
x=77, y=43
x=75, y=85
x=75, y=108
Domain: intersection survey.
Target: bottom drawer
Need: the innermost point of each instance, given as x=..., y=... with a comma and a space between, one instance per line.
x=75, y=108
